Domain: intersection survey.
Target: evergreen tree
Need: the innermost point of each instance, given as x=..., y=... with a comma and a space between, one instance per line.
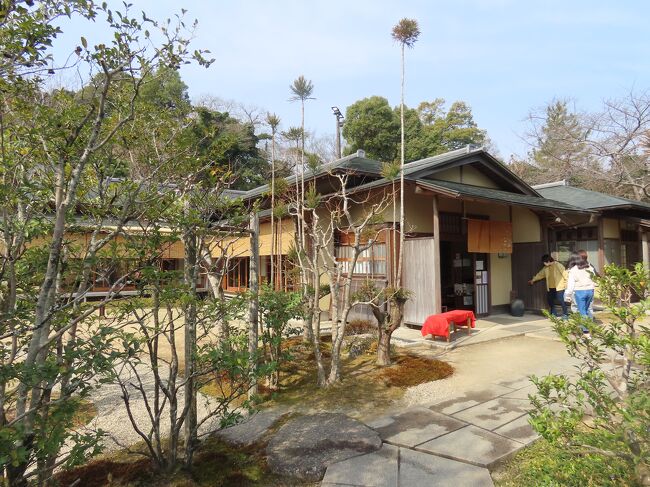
x=429, y=130
x=561, y=150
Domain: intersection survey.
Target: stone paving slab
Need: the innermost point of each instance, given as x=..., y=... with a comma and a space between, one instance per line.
x=472, y=444
x=526, y=328
x=518, y=430
x=417, y=425
x=421, y=469
x=506, y=319
x=493, y=334
x=515, y=384
x=522, y=393
x=378, y=469
x=497, y=412
x=469, y=399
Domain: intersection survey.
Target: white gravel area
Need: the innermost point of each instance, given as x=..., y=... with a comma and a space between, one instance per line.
x=426, y=393
x=112, y=416
x=485, y=363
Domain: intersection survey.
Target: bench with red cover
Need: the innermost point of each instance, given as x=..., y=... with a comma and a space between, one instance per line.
x=439, y=325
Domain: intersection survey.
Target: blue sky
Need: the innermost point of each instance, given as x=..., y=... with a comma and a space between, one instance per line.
x=502, y=57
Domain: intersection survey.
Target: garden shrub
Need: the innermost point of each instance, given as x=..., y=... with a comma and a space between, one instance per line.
x=602, y=415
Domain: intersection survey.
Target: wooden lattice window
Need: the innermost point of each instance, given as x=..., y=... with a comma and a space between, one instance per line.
x=371, y=262
x=237, y=276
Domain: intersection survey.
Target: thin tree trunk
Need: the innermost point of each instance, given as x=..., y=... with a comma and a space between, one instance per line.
x=302, y=170
x=280, y=253
x=401, y=185
x=273, y=230
x=214, y=284
x=335, y=367
x=386, y=329
x=190, y=278
x=320, y=369
x=393, y=267
x=253, y=306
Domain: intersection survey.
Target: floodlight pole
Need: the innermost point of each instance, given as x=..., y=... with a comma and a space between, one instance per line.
x=339, y=124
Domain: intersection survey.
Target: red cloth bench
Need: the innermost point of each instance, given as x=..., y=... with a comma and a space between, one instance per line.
x=439, y=325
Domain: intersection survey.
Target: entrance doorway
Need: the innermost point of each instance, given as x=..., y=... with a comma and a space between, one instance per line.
x=464, y=278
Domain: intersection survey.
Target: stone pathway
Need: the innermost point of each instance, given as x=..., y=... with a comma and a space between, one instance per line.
x=449, y=442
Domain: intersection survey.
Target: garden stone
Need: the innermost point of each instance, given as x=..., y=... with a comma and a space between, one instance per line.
x=253, y=429
x=305, y=446
x=357, y=345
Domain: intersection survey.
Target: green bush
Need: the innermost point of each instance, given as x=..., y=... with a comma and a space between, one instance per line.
x=549, y=465
x=600, y=418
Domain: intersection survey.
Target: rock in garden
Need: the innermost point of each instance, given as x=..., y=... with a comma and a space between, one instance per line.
x=357, y=345
x=305, y=446
x=252, y=430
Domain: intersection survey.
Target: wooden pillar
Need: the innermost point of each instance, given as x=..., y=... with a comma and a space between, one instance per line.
x=254, y=286
x=645, y=249
x=437, y=295
x=601, y=245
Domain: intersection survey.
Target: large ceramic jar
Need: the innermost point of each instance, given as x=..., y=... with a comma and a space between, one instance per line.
x=517, y=307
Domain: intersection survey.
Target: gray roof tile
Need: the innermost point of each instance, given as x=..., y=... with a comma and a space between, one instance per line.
x=584, y=198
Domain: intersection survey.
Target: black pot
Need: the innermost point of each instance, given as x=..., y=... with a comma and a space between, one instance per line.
x=517, y=307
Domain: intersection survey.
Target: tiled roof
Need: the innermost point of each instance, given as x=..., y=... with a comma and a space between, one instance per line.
x=356, y=162
x=584, y=198
x=479, y=192
x=440, y=159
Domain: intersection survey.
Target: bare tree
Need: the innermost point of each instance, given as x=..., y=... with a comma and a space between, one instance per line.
x=273, y=121
x=63, y=203
x=325, y=217
x=301, y=90
x=619, y=141
x=406, y=32
x=604, y=151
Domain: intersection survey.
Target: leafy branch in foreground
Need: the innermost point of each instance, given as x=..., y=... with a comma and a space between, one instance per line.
x=604, y=411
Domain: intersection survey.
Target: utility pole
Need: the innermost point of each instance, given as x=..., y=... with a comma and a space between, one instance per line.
x=339, y=125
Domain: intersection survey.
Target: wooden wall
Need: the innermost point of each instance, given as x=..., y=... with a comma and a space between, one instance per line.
x=526, y=262
x=418, y=277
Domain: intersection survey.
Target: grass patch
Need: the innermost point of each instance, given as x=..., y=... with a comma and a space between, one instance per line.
x=99, y=473
x=409, y=371
x=85, y=413
x=222, y=387
x=215, y=465
x=242, y=467
x=365, y=389
x=543, y=464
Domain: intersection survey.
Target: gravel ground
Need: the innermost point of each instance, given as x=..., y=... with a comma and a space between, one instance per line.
x=485, y=363
x=112, y=416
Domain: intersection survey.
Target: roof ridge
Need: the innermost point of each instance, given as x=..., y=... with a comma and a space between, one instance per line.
x=469, y=148
x=309, y=172
x=553, y=184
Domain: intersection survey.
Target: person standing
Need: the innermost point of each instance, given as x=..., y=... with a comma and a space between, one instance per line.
x=555, y=275
x=592, y=269
x=580, y=286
